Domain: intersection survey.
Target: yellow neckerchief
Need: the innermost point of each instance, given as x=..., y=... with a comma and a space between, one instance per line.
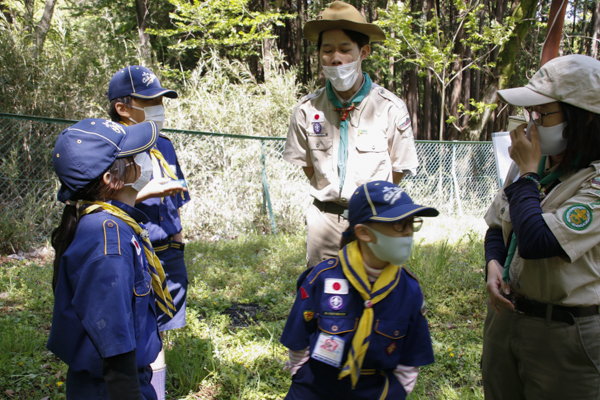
x=160, y=159
x=354, y=270
x=159, y=283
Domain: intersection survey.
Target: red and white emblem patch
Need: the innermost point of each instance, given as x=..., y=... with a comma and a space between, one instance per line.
x=138, y=248
x=336, y=286
x=317, y=116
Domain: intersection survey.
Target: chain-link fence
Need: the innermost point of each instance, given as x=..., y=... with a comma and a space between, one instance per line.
x=238, y=184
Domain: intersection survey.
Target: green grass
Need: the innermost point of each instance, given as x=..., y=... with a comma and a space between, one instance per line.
x=213, y=358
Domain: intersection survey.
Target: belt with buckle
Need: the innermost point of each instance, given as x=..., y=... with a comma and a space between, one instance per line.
x=167, y=244
x=330, y=207
x=557, y=313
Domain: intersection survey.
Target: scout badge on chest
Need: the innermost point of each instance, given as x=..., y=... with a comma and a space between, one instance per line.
x=317, y=118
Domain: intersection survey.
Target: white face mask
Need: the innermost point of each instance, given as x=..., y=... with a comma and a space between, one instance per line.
x=145, y=163
x=395, y=250
x=551, y=138
x=344, y=76
x=152, y=113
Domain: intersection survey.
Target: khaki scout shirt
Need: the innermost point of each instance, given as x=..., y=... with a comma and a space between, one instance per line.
x=380, y=140
x=572, y=212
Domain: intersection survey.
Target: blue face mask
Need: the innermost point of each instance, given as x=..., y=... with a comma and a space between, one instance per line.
x=395, y=250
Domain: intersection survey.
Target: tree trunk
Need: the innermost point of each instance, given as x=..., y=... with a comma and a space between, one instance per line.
x=141, y=8
x=298, y=39
x=41, y=29
x=457, y=84
x=427, y=109
x=467, y=87
x=523, y=13
x=595, y=29
x=556, y=22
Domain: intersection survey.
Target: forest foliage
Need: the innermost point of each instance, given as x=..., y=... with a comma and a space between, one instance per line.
x=445, y=58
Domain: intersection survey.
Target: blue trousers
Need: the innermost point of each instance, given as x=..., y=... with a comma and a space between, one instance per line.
x=177, y=280
x=318, y=381
x=82, y=386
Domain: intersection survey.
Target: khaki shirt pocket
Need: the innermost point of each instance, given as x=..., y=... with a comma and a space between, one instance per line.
x=372, y=158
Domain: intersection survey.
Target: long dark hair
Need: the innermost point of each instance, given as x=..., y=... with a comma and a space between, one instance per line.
x=583, y=138
x=63, y=235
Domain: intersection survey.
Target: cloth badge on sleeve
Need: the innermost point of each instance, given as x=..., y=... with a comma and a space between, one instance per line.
x=336, y=303
x=406, y=123
x=308, y=315
x=138, y=248
x=336, y=286
x=578, y=217
x=303, y=293
x=594, y=204
x=595, y=183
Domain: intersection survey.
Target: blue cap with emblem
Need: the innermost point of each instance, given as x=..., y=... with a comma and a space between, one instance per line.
x=137, y=81
x=382, y=201
x=85, y=150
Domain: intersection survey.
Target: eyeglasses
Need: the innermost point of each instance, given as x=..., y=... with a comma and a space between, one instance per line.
x=535, y=116
x=400, y=226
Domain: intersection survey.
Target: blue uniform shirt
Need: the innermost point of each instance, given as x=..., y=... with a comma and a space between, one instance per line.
x=400, y=333
x=164, y=220
x=104, y=304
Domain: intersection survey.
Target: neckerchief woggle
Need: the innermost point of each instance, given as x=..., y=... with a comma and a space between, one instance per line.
x=512, y=248
x=159, y=283
x=344, y=114
x=354, y=270
x=166, y=169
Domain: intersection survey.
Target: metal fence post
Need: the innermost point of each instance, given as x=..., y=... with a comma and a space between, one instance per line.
x=267, y=197
x=455, y=179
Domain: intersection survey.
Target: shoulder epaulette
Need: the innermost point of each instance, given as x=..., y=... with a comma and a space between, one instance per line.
x=112, y=237
x=386, y=94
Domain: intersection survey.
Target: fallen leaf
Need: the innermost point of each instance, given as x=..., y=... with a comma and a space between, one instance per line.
x=9, y=393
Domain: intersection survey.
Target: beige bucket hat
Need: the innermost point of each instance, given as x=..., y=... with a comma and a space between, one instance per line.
x=340, y=15
x=572, y=79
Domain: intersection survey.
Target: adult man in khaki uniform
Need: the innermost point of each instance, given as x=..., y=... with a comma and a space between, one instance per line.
x=350, y=132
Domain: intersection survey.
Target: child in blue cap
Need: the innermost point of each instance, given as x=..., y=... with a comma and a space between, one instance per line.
x=135, y=95
x=107, y=281
x=357, y=329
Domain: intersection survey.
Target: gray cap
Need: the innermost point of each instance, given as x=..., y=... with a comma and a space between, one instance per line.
x=572, y=79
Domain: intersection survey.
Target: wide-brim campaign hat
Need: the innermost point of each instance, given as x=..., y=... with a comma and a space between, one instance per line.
x=340, y=15
x=137, y=81
x=383, y=201
x=85, y=150
x=572, y=79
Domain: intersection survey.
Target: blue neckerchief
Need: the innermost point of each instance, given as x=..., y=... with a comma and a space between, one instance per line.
x=344, y=113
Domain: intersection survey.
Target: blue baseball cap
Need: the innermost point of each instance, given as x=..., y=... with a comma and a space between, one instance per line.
x=382, y=201
x=85, y=150
x=137, y=81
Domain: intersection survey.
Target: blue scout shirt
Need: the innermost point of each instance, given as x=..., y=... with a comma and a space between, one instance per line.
x=104, y=304
x=164, y=220
x=327, y=302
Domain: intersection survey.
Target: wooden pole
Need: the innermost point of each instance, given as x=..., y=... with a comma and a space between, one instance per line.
x=556, y=21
